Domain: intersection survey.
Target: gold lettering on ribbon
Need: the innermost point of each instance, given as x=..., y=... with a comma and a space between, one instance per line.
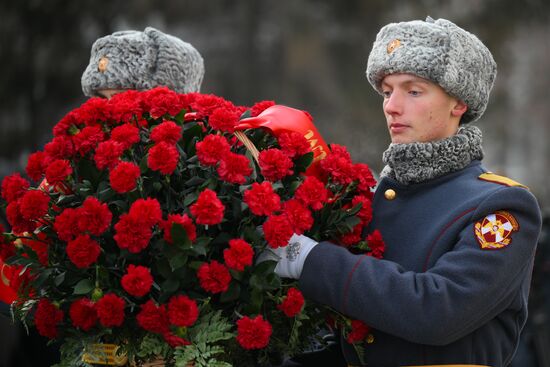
x=320, y=154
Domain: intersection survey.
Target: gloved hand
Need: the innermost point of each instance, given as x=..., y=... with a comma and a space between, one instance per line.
x=290, y=258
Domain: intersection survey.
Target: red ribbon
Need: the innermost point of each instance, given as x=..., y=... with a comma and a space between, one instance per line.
x=279, y=118
x=7, y=294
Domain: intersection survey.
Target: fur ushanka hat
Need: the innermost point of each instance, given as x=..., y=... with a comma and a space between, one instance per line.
x=440, y=51
x=142, y=60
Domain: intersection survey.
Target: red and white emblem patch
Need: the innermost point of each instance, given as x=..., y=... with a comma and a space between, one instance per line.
x=495, y=230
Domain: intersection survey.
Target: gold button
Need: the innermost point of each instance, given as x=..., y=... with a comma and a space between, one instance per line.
x=390, y=194
x=102, y=64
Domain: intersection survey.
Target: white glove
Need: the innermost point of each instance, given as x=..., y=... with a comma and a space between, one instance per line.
x=290, y=258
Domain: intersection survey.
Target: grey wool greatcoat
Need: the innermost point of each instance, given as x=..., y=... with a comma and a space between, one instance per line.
x=454, y=281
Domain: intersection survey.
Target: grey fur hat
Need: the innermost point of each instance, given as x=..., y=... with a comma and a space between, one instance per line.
x=440, y=51
x=142, y=60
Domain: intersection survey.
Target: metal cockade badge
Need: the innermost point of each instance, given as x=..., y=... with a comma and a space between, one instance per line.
x=392, y=45
x=102, y=64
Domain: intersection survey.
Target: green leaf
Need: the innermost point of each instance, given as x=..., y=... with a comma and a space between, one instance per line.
x=180, y=116
x=179, y=236
x=170, y=285
x=164, y=268
x=143, y=167
x=232, y=293
x=83, y=287
x=190, y=198
x=59, y=279
x=194, y=181
x=198, y=249
x=177, y=261
x=235, y=274
x=66, y=200
x=303, y=162
x=265, y=267
x=246, y=114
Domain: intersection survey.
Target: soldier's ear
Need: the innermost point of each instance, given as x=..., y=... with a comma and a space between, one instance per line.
x=459, y=108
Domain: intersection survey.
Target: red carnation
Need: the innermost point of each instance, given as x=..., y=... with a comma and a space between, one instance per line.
x=94, y=216
x=261, y=199
x=238, y=255
x=259, y=107
x=174, y=340
x=83, y=251
x=161, y=101
x=132, y=234
x=224, y=119
x=352, y=237
x=338, y=165
x=214, y=277
x=363, y=174
x=110, y=310
x=123, y=177
x=163, y=157
x=13, y=187
x=376, y=244
x=7, y=249
x=234, y=168
x=298, y=215
x=312, y=193
x=185, y=221
x=292, y=303
x=359, y=331
x=39, y=246
x=274, y=164
x=208, y=209
x=277, y=230
x=46, y=318
x=126, y=135
x=365, y=213
x=205, y=104
x=124, y=106
x=58, y=171
x=253, y=333
x=66, y=224
x=60, y=147
x=36, y=165
x=92, y=111
x=19, y=224
x=83, y=314
x=153, y=318
x=211, y=149
x=20, y=278
x=137, y=281
x=293, y=144
x=167, y=132
x=65, y=124
x=147, y=211
x=182, y=311
x=88, y=139
x=34, y=204
x=107, y=154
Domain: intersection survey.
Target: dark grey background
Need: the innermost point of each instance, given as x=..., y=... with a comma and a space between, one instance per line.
x=304, y=53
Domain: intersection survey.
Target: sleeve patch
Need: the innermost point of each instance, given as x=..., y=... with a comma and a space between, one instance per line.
x=495, y=230
x=491, y=177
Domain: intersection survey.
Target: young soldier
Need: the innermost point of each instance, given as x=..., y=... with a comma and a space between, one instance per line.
x=460, y=241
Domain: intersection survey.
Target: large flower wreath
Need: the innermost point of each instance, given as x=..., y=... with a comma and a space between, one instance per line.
x=149, y=215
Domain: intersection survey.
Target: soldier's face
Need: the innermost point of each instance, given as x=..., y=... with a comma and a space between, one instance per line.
x=418, y=110
x=109, y=93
